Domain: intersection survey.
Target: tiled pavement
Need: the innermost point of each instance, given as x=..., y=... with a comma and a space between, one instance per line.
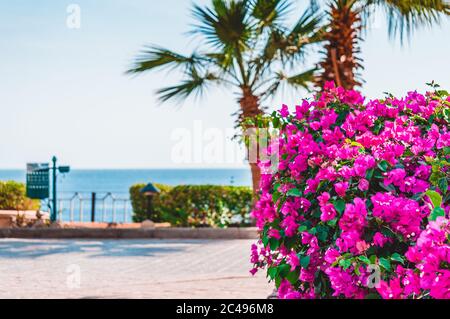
x=151, y=268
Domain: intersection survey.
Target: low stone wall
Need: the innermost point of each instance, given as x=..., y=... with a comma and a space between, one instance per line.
x=8, y=217
x=121, y=233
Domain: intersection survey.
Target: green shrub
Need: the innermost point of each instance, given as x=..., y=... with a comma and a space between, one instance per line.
x=12, y=197
x=196, y=205
x=140, y=203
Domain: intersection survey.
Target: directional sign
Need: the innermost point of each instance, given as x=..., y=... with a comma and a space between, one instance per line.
x=38, y=182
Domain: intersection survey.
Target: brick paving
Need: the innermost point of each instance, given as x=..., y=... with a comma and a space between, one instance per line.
x=172, y=268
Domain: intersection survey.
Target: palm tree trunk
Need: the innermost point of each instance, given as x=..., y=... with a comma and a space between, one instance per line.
x=250, y=109
x=340, y=64
x=256, y=177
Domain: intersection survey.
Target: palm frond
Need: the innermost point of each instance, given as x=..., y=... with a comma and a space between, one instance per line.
x=301, y=80
x=193, y=84
x=290, y=46
x=223, y=60
x=153, y=57
x=225, y=25
x=308, y=22
x=269, y=13
x=407, y=15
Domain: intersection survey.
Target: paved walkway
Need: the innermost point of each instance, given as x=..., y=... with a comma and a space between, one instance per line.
x=128, y=269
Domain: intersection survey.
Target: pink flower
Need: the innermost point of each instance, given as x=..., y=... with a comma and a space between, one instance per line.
x=331, y=255
x=302, y=110
x=328, y=212
x=379, y=239
x=443, y=141
x=341, y=188
x=344, y=283
x=274, y=233
x=284, y=112
x=362, y=246
x=293, y=260
x=328, y=119
x=254, y=255
x=312, y=185
x=362, y=164
x=414, y=185
x=390, y=290
x=354, y=217
x=404, y=215
x=363, y=184
x=346, y=172
x=323, y=198
x=347, y=241
x=315, y=125
x=396, y=177
x=423, y=172
x=329, y=85
x=289, y=225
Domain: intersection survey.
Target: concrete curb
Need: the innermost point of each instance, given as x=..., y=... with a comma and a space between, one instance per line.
x=161, y=233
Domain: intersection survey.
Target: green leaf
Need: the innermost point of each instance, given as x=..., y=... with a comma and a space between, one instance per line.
x=345, y=263
x=265, y=238
x=294, y=192
x=369, y=173
x=332, y=222
x=292, y=277
x=304, y=261
x=274, y=243
x=275, y=196
x=441, y=92
x=283, y=270
x=339, y=205
x=435, y=197
x=397, y=257
x=275, y=122
x=383, y=165
x=447, y=150
x=278, y=281
x=364, y=259
x=302, y=228
x=386, y=264
x=438, y=211
x=443, y=185
x=322, y=232
x=387, y=232
x=389, y=188
x=289, y=242
x=272, y=272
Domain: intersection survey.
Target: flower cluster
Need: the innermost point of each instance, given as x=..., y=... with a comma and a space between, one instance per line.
x=358, y=206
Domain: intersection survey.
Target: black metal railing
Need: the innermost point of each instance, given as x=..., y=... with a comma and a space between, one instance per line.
x=94, y=207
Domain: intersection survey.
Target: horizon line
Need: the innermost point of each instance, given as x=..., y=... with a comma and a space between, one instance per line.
x=140, y=168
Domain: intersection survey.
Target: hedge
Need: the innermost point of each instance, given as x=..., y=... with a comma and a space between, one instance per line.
x=139, y=203
x=195, y=205
x=12, y=197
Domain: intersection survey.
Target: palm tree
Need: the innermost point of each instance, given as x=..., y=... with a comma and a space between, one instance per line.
x=245, y=46
x=347, y=20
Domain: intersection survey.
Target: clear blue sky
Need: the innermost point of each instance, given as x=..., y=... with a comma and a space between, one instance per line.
x=62, y=91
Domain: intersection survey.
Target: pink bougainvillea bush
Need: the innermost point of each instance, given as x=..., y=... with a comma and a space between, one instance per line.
x=359, y=206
